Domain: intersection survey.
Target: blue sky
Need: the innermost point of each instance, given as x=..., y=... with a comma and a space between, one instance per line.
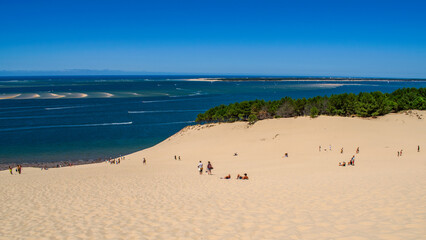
x=303, y=38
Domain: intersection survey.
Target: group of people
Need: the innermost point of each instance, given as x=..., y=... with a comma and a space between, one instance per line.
x=210, y=168
x=18, y=169
x=399, y=153
x=115, y=160
x=242, y=177
x=351, y=162
x=201, y=167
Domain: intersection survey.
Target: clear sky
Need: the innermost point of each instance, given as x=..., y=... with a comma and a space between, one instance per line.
x=266, y=37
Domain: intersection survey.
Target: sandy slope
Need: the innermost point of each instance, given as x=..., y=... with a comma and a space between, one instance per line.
x=304, y=196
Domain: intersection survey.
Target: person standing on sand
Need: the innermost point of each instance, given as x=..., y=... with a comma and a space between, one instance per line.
x=200, y=167
x=19, y=169
x=209, y=168
x=144, y=161
x=341, y=151
x=319, y=147
x=10, y=170
x=418, y=148
x=175, y=157
x=357, y=150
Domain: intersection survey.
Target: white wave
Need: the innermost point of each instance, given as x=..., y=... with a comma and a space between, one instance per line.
x=75, y=95
x=9, y=96
x=40, y=116
x=16, y=81
x=108, y=95
x=59, y=108
x=171, y=123
x=21, y=107
x=165, y=111
x=19, y=111
x=198, y=93
x=200, y=79
x=51, y=95
x=65, y=126
x=174, y=100
x=28, y=96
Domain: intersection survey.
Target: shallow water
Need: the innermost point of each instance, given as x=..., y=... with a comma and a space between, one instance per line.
x=48, y=119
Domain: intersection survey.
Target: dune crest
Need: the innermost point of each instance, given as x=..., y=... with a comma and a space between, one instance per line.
x=305, y=195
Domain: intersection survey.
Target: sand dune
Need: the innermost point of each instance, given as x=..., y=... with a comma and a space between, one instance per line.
x=304, y=196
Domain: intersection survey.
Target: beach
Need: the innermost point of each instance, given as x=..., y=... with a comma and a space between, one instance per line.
x=306, y=195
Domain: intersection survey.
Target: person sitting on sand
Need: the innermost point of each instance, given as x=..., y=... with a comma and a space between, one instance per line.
x=245, y=177
x=286, y=155
x=235, y=154
x=239, y=176
x=228, y=177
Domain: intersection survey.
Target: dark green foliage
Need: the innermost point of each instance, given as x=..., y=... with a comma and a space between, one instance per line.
x=252, y=118
x=314, y=112
x=362, y=105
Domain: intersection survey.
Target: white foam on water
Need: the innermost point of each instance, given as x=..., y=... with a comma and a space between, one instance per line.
x=65, y=126
x=38, y=116
x=69, y=107
x=166, y=111
x=9, y=96
x=171, y=123
x=28, y=96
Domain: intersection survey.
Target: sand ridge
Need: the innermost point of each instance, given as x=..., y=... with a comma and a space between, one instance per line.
x=304, y=196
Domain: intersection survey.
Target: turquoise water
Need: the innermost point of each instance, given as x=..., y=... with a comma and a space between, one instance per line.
x=46, y=119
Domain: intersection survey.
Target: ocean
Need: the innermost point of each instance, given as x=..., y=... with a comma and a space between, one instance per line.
x=50, y=119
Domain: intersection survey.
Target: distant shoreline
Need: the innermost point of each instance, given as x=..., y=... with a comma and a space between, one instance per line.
x=320, y=79
x=205, y=78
